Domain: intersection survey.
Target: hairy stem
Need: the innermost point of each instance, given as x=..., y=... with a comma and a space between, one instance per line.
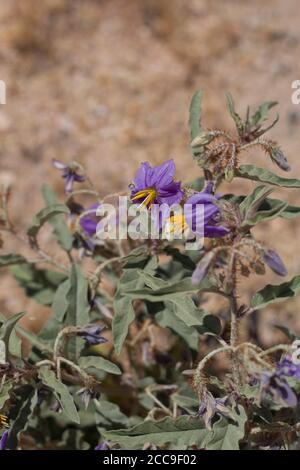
x=234, y=322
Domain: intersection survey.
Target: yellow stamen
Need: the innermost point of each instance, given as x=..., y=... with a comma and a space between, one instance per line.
x=148, y=195
x=177, y=224
x=4, y=421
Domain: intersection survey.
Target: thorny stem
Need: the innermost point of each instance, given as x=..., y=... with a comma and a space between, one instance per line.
x=96, y=277
x=73, y=366
x=278, y=347
x=199, y=377
x=158, y=388
x=231, y=281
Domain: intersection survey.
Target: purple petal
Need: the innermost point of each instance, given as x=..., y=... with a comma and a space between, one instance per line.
x=3, y=440
x=90, y=221
x=211, y=231
x=141, y=178
x=287, y=394
x=202, y=268
x=209, y=187
x=171, y=194
x=102, y=446
x=79, y=178
x=273, y=260
x=69, y=183
x=59, y=165
x=162, y=175
x=279, y=158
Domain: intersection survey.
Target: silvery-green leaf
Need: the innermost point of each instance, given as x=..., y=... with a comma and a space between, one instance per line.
x=78, y=307
x=195, y=115
x=61, y=228
x=4, y=393
x=25, y=407
x=168, y=319
x=99, y=363
x=187, y=403
x=124, y=312
x=109, y=414
x=235, y=116
x=61, y=393
x=43, y=216
x=273, y=294
x=253, y=201
x=2, y=352
x=7, y=328
x=180, y=432
x=227, y=435
x=59, y=309
x=263, y=175
x=261, y=113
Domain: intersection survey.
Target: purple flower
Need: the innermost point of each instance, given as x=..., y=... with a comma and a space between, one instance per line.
x=3, y=440
x=288, y=368
x=87, y=394
x=275, y=384
x=279, y=158
x=69, y=172
x=102, y=446
x=210, y=406
x=211, y=215
x=90, y=221
x=273, y=260
x=202, y=268
x=156, y=185
x=91, y=333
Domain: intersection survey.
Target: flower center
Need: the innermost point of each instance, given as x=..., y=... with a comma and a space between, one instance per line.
x=177, y=225
x=148, y=197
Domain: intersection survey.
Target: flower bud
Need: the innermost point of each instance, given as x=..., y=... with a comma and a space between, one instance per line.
x=273, y=260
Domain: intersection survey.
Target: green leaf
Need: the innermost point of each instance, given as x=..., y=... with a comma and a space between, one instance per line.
x=235, y=116
x=99, y=363
x=61, y=229
x=7, y=328
x=109, y=413
x=167, y=319
x=181, y=432
x=187, y=403
x=61, y=393
x=226, y=435
x=78, y=308
x=59, y=309
x=263, y=175
x=124, y=312
x=273, y=294
x=261, y=114
x=14, y=344
x=4, y=393
x=35, y=340
x=252, y=202
x=265, y=216
x=181, y=258
x=39, y=284
x=25, y=409
x=8, y=260
x=43, y=216
x=170, y=290
x=270, y=205
x=197, y=184
x=195, y=115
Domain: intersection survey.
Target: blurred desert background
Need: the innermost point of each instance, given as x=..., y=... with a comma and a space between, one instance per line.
x=108, y=83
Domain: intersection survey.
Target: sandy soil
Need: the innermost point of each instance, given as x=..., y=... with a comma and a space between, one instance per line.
x=108, y=83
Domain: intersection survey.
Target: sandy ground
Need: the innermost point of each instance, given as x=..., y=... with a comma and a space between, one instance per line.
x=109, y=82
